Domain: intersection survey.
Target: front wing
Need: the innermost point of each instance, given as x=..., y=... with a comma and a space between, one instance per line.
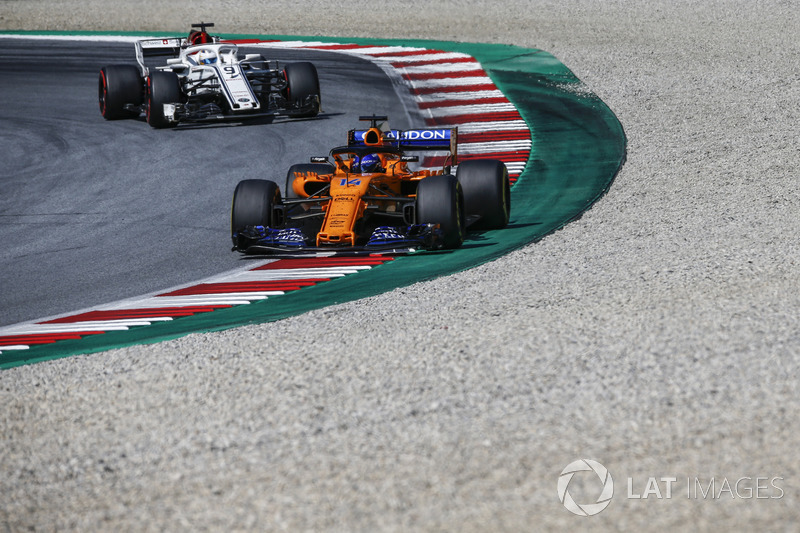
x=212, y=113
x=260, y=240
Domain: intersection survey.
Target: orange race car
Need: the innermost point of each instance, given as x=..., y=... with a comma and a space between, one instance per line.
x=364, y=197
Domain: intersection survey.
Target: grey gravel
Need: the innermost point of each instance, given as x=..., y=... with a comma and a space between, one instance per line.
x=658, y=334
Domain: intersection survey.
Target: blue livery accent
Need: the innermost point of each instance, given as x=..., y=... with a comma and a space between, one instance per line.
x=423, y=138
x=386, y=235
x=421, y=235
x=280, y=237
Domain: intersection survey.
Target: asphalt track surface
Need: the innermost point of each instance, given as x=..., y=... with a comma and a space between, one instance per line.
x=93, y=211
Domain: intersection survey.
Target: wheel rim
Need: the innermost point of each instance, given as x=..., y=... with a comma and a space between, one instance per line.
x=147, y=101
x=288, y=88
x=103, y=93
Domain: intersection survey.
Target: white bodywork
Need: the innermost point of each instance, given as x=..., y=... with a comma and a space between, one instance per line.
x=225, y=75
x=233, y=82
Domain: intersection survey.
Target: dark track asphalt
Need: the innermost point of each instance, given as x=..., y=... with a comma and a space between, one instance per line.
x=93, y=211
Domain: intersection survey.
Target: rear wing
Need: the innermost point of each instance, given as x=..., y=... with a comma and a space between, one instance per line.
x=157, y=51
x=428, y=139
x=149, y=50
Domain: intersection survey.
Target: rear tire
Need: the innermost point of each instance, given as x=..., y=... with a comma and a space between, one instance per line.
x=162, y=88
x=440, y=201
x=254, y=204
x=119, y=85
x=302, y=82
x=487, y=192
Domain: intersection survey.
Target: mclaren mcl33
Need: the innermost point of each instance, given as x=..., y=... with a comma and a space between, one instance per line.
x=365, y=196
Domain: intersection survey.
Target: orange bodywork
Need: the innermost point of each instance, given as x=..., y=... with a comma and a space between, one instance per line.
x=345, y=207
x=352, y=193
x=345, y=195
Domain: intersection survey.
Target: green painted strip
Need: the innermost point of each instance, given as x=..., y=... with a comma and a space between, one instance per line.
x=578, y=147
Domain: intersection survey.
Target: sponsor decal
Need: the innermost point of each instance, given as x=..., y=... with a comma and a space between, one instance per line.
x=160, y=43
x=425, y=135
x=442, y=135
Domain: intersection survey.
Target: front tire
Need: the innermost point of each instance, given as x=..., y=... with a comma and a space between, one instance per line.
x=487, y=192
x=118, y=86
x=162, y=88
x=302, y=87
x=440, y=201
x=254, y=204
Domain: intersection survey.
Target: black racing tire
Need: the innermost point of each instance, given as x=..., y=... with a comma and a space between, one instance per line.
x=302, y=82
x=440, y=201
x=487, y=192
x=162, y=88
x=319, y=168
x=119, y=85
x=254, y=204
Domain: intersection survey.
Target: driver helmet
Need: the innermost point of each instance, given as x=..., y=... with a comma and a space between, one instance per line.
x=368, y=163
x=206, y=57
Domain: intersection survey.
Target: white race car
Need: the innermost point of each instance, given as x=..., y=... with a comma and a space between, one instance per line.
x=205, y=79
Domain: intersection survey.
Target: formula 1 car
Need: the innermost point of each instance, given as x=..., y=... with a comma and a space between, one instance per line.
x=364, y=197
x=205, y=79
